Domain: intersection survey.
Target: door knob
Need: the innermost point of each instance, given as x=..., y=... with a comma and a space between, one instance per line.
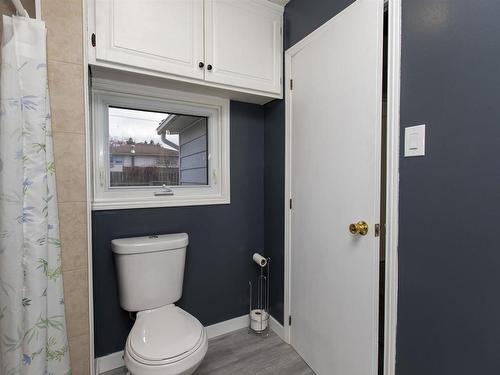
x=360, y=228
x=209, y=67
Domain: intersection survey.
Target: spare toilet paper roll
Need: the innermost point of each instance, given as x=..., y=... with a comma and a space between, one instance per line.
x=260, y=260
x=258, y=320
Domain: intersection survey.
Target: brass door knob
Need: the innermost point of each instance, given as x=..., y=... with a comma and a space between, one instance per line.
x=360, y=228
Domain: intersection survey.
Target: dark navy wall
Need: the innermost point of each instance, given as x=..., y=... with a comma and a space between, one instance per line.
x=300, y=19
x=222, y=240
x=449, y=305
x=449, y=255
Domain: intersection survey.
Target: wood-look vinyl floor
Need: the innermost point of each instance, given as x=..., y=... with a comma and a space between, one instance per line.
x=242, y=353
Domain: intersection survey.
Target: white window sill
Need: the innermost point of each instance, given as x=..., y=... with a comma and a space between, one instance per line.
x=123, y=204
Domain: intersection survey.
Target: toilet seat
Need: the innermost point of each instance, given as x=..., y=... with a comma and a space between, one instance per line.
x=164, y=335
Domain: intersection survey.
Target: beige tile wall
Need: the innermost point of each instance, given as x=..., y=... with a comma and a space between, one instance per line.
x=66, y=84
x=64, y=20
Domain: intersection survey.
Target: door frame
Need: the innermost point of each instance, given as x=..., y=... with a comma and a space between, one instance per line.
x=392, y=179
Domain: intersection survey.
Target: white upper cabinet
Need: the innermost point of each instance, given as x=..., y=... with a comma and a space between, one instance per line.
x=243, y=43
x=227, y=46
x=160, y=35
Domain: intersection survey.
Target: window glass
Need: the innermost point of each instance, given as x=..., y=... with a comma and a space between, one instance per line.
x=149, y=148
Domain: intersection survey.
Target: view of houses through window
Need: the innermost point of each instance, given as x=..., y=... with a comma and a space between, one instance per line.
x=154, y=149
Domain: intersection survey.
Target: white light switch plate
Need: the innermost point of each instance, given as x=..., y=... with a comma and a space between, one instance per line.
x=415, y=141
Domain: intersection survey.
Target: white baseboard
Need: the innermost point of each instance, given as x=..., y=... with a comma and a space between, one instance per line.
x=115, y=360
x=277, y=328
x=227, y=326
x=109, y=362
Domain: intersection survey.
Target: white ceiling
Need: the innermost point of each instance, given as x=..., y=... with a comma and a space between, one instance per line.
x=280, y=2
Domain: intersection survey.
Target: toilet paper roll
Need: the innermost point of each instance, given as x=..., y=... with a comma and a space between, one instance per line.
x=258, y=320
x=260, y=260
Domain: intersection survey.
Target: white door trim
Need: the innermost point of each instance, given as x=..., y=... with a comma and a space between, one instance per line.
x=392, y=192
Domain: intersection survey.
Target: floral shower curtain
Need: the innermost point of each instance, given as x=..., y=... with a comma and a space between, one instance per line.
x=32, y=322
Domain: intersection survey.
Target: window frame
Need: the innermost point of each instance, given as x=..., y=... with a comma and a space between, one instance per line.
x=107, y=93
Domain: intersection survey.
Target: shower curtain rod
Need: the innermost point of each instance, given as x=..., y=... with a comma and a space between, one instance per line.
x=19, y=8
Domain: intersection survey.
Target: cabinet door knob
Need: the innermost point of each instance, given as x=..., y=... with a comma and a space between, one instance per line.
x=201, y=64
x=209, y=67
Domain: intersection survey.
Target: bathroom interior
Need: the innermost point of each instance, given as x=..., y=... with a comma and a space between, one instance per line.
x=249, y=187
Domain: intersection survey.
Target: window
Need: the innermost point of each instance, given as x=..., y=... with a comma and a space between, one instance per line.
x=154, y=147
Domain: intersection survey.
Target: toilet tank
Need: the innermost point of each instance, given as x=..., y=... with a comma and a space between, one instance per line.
x=150, y=270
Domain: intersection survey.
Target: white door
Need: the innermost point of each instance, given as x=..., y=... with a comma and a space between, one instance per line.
x=335, y=125
x=160, y=35
x=243, y=44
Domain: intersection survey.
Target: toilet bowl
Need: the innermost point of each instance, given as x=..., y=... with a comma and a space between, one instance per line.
x=165, y=339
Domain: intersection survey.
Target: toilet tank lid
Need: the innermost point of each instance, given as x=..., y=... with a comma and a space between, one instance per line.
x=149, y=244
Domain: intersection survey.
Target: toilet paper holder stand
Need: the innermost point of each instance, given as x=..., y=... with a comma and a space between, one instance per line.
x=259, y=310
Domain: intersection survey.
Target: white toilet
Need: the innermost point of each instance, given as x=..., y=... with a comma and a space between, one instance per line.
x=165, y=339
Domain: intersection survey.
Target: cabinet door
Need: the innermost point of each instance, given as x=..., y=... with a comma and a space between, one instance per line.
x=160, y=35
x=243, y=44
